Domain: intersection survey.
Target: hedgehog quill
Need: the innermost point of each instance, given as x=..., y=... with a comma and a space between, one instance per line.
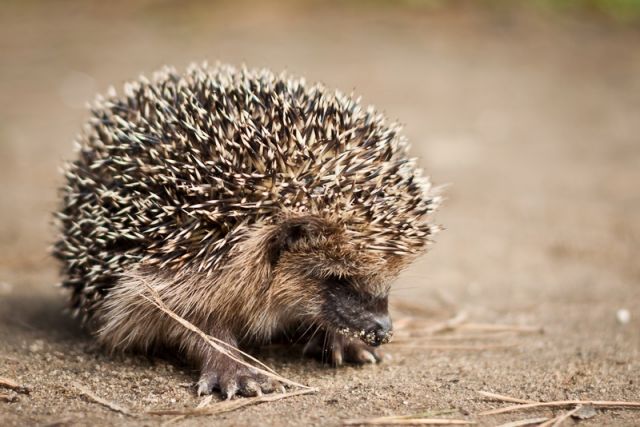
x=255, y=205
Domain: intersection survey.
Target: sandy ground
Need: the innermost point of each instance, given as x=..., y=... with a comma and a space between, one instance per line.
x=533, y=120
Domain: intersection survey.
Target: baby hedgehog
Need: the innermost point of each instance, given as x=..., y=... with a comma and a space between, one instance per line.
x=255, y=205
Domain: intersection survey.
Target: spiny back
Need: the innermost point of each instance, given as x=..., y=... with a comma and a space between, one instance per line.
x=176, y=170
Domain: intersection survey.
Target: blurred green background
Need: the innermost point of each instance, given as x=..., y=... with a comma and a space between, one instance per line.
x=626, y=11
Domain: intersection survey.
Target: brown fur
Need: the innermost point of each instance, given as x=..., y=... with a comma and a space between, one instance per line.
x=253, y=298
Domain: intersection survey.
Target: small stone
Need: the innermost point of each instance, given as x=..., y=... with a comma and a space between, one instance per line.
x=585, y=412
x=623, y=315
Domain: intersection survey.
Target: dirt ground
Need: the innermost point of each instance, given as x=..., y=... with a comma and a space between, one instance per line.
x=533, y=119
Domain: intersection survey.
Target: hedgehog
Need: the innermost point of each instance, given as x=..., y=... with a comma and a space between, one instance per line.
x=254, y=205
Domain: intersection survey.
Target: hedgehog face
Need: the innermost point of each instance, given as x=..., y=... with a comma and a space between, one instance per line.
x=322, y=278
x=353, y=312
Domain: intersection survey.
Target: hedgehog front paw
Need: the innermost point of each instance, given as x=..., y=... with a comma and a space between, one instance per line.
x=232, y=378
x=338, y=350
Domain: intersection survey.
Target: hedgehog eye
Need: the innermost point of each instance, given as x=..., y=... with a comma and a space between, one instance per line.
x=295, y=233
x=338, y=281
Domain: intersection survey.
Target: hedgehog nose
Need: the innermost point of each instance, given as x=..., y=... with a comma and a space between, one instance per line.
x=382, y=330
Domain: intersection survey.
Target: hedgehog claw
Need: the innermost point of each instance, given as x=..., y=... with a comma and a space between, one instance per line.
x=355, y=351
x=234, y=379
x=229, y=390
x=249, y=387
x=365, y=356
x=206, y=384
x=342, y=350
x=337, y=353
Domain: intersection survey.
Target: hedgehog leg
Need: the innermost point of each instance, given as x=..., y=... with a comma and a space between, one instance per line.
x=219, y=372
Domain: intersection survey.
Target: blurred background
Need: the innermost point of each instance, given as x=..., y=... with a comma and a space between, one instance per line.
x=530, y=110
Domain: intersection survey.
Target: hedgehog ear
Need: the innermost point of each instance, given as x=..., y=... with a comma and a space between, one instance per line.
x=290, y=231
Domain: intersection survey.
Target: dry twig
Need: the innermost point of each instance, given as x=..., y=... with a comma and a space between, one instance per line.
x=7, y=397
x=555, y=422
x=559, y=403
x=230, y=405
x=410, y=308
x=527, y=422
x=500, y=328
x=114, y=407
x=220, y=345
x=204, y=408
x=205, y=402
x=564, y=404
x=503, y=398
x=412, y=324
x=447, y=325
x=412, y=327
x=402, y=420
x=173, y=420
x=8, y=383
x=13, y=385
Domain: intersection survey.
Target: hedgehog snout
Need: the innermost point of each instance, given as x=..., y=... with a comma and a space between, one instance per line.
x=380, y=331
x=358, y=314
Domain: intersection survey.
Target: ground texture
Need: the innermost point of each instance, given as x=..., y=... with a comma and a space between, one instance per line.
x=533, y=120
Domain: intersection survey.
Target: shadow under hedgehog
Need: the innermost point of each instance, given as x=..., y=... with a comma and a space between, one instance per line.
x=253, y=204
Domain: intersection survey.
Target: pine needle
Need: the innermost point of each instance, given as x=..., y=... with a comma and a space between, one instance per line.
x=230, y=405
x=13, y=385
x=504, y=398
x=402, y=420
x=555, y=422
x=114, y=407
x=559, y=403
x=527, y=422
x=499, y=328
